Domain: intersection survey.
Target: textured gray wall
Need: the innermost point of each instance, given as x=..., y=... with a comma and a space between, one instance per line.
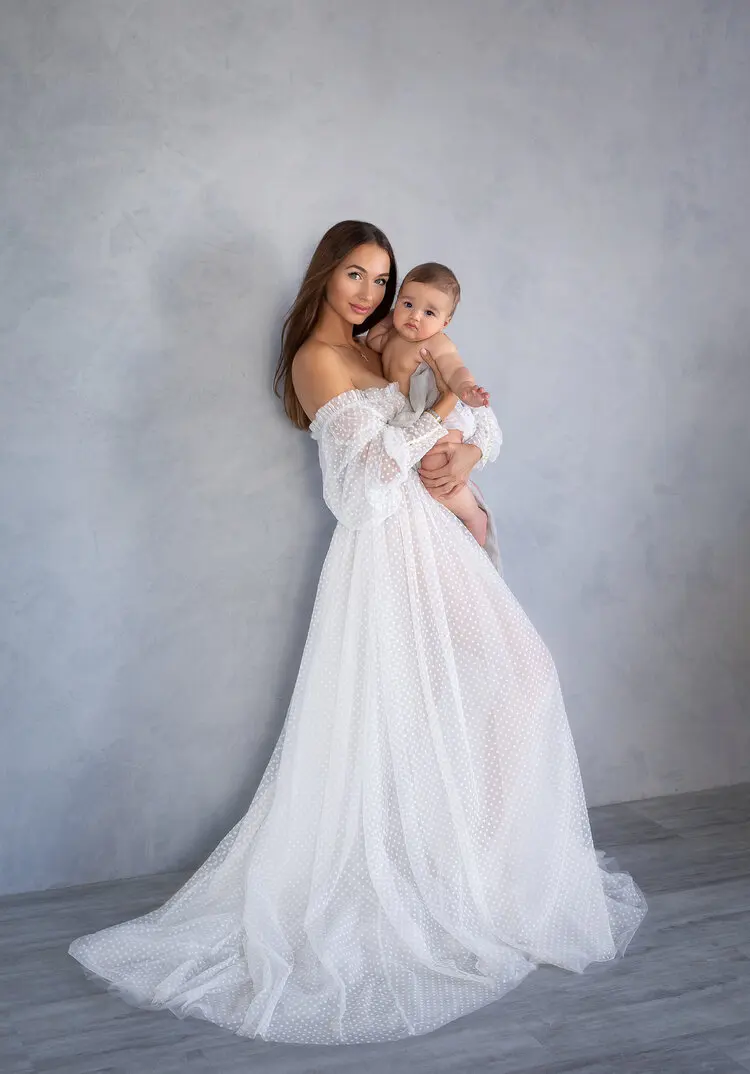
x=167, y=169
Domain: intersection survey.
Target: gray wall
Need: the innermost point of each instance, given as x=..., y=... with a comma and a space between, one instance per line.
x=168, y=167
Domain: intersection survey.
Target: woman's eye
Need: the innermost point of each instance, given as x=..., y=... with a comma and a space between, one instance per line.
x=381, y=282
x=354, y=275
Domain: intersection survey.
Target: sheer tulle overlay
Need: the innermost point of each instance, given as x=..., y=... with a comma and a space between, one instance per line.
x=419, y=841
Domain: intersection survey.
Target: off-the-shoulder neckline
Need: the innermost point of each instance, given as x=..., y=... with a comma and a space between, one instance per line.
x=356, y=393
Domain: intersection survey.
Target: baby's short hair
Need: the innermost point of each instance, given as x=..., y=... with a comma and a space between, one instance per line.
x=439, y=276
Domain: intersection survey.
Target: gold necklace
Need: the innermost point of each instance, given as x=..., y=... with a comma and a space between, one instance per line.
x=354, y=347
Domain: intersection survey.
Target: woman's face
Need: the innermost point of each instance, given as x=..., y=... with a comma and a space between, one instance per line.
x=357, y=285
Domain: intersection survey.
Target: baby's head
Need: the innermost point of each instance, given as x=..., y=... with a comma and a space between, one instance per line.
x=425, y=302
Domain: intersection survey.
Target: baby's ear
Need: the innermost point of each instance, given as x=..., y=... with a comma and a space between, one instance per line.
x=445, y=325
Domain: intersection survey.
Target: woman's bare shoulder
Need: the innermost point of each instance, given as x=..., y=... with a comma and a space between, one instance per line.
x=318, y=374
x=315, y=360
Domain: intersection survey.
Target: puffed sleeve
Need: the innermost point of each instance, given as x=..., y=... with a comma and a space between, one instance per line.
x=366, y=461
x=487, y=435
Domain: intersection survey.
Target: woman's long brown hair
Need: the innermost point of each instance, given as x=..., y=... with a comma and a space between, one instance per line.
x=299, y=322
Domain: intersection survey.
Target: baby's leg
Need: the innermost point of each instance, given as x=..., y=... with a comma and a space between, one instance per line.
x=464, y=506
x=461, y=502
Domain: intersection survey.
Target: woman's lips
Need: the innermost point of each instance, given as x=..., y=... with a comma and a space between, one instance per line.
x=360, y=309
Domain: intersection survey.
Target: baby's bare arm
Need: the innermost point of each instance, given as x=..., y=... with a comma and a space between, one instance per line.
x=377, y=337
x=451, y=366
x=459, y=379
x=400, y=360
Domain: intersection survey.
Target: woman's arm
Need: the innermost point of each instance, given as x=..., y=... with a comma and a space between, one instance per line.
x=477, y=450
x=366, y=462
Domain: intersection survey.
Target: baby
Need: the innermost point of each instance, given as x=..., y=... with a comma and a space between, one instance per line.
x=424, y=306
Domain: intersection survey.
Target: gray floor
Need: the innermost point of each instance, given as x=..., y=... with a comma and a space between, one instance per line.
x=677, y=1002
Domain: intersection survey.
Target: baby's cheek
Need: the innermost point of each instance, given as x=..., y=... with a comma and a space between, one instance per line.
x=428, y=333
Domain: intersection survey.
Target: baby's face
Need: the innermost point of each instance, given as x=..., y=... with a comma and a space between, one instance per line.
x=421, y=311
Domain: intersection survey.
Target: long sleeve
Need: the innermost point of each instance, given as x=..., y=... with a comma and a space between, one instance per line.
x=487, y=435
x=365, y=460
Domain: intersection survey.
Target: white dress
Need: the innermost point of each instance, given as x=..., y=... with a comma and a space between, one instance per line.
x=419, y=841
x=424, y=393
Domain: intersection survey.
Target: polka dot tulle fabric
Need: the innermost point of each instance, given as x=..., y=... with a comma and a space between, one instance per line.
x=419, y=841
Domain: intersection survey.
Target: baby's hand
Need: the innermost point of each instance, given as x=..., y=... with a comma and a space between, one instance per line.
x=474, y=396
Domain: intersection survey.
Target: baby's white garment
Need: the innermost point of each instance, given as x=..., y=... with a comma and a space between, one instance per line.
x=423, y=393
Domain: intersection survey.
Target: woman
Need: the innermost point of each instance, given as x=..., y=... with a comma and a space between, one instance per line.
x=419, y=841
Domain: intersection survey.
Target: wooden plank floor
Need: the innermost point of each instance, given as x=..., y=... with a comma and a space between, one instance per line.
x=678, y=1003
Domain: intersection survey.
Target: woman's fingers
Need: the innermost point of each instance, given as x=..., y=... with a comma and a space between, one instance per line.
x=426, y=355
x=445, y=479
x=434, y=451
x=445, y=447
x=441, y=472
x=448, y=491
x=434, y=479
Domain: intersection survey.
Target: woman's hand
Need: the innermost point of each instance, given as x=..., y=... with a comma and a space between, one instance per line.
x=426, y=356
x=461, y=460
x=446, y=400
